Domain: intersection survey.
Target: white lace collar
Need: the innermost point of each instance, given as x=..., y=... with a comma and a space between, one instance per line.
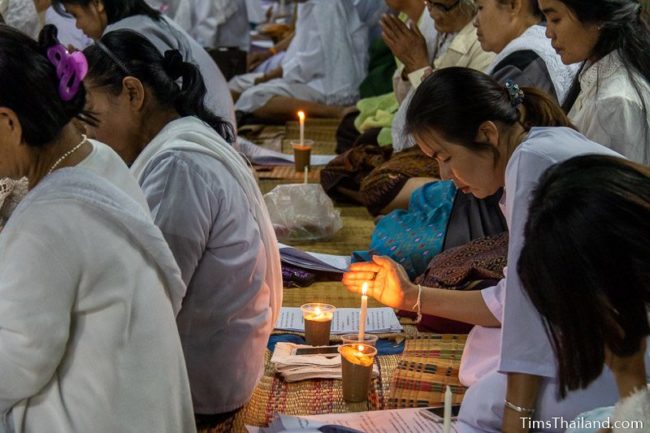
x=601, y=70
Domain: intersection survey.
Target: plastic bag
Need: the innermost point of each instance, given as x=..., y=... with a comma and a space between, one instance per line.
x=302, y=212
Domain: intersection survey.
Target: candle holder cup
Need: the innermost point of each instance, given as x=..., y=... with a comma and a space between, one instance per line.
x=356, y=368
x=318, y=323
x=302, y=154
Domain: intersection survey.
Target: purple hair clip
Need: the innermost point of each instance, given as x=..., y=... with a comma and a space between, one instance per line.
x=70, y=68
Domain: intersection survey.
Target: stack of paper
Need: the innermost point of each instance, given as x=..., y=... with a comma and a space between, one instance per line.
x=345, y=321
x=302, y=367
x=313, y=261
x=379, y=421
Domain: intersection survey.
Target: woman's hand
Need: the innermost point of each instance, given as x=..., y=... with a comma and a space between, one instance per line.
x=387, y=282
x=407, y=44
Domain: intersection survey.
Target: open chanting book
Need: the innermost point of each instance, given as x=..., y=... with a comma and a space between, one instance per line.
x=345, y=320
x=313, y=261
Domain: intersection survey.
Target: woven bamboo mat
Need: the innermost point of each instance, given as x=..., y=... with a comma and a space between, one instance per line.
x=429, y=363
x=288, y=172
x=274, y=395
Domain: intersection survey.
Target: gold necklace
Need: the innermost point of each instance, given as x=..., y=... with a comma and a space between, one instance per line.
x=65, y=155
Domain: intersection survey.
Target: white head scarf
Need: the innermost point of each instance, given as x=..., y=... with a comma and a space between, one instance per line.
x=192, y=134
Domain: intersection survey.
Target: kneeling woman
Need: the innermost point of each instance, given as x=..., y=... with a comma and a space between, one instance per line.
x=484, y=137
x=206, y=202
x=87, y=333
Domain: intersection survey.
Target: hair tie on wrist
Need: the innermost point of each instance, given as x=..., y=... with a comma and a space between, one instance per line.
x=515, y=93
x=417, y=307
x=70, y=69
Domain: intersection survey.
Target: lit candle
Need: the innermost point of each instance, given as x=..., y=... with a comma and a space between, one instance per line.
x=446, y=426
x=301, y=119
x=318, y=321
x=364, y=312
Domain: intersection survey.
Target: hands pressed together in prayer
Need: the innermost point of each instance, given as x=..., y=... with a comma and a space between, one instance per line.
x=406, y=43
x=387, y=282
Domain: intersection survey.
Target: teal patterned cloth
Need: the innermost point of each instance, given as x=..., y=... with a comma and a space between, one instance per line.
x=413, y=237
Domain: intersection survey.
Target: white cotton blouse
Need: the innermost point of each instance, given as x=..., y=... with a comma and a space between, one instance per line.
x=609, y=110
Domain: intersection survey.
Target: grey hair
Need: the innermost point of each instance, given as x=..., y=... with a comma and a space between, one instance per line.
x=469, y=6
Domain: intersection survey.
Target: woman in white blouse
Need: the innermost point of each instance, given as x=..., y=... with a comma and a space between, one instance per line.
x=486, y=136
x=610, y=99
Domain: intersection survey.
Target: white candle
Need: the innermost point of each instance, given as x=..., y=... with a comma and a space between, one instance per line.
x=301, y=119
x=363, y=313
x=282, y=6
x=446, y=426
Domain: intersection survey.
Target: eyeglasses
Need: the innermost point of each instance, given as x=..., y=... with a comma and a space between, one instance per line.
x=441, y=7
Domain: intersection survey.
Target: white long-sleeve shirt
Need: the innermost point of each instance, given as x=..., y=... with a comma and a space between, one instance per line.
x=210, y=224
x=88, y=340
x=609, y=110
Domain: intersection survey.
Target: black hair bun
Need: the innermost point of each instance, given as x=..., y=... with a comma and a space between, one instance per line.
x=173, y=64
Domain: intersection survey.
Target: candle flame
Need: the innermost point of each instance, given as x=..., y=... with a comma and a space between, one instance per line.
x=301, y=115
x=360, y=348
x=364, y=289
x=317, y=310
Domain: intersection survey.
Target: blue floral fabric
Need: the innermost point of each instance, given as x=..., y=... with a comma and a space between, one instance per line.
x=413, y=237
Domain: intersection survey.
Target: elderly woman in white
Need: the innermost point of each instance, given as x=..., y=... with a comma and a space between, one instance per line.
x=88, y=285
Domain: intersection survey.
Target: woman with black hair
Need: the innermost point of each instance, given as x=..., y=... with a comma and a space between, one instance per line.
x=205, y=200
x=585, y=267
x=486, y=136
x=610, y=99
x=98, y=17
x=88, y=285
